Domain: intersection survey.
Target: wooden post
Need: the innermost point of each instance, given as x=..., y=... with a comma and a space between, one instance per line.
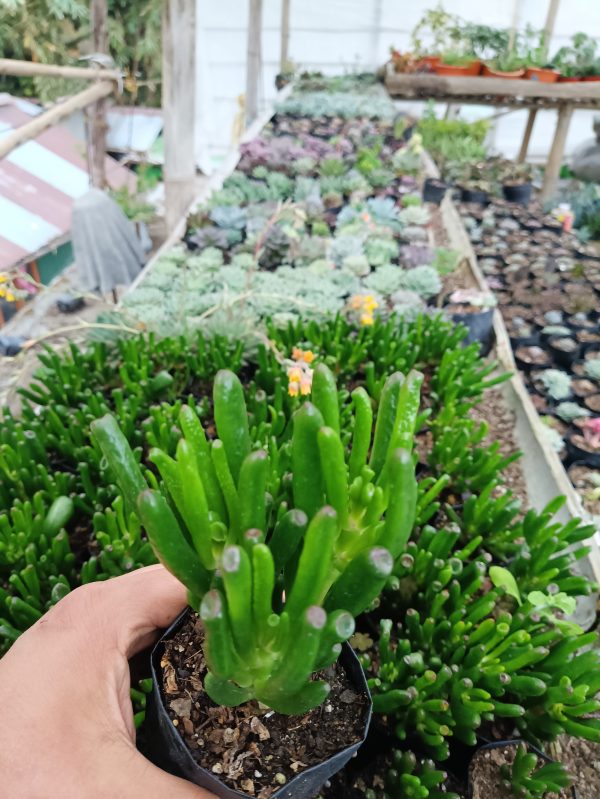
x=527, y=135
x=28, y=69
x=98, y=124
x=550, y=21
x=285, y=35
x=512, y=36
x=178, y=102
x=253, y=59
x=556, y=153
x=44, y=121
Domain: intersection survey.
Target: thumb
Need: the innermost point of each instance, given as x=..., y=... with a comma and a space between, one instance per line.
x=143, y=779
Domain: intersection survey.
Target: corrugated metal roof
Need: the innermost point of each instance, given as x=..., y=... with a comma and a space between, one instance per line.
x=133, y=129
x=39, y=182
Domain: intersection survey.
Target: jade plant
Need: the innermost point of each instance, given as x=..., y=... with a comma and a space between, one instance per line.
x=528, y=780
x=278, y=587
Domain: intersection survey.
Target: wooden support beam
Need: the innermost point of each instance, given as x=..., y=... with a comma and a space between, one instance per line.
x=554, y=162
x=30, y=69
x=527, y=135
x=178, y=101
x=98, y=123
x=49, y=118
x=550, y=21
x=253, y=59
x=285, y=35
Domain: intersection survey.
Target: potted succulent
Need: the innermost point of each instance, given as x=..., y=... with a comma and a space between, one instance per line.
x=584, y=446
x=508, y=65
x=434, y=190
x=475, y=309
x=506, y=769
x=458, y=64
x=276, y=572
x=516, y=182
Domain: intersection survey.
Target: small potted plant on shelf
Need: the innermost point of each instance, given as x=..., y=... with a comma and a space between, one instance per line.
x=516, y=182
x=458, y=64
x=276, y=571
x=584, y=446
x=539, y=67
x=475, y=309
x=508, y=65
x=575, y=62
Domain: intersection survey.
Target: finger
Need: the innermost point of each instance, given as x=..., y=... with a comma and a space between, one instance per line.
x=143, y=779
x=122, y=613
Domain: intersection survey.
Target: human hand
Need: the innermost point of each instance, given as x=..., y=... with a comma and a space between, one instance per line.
x=67, y=722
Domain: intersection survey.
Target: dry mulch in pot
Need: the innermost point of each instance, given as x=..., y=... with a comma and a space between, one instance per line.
x=251, y=748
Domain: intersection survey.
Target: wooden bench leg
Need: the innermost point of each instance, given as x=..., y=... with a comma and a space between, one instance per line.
x=527, y=135
x=556, y=152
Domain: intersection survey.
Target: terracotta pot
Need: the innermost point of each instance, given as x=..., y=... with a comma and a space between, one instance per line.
x=492, y=73
x=591, y=78
x=429, y=61
x=449, y=70
x=564, y=79
x=541, y=74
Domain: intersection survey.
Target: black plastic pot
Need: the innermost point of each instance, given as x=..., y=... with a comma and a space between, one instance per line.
x=517, y=193
x=68, y=303
x=513, y=742
x=582, y=456
x=526, y=366
x=434, y=190
x=11, y=345
x=474, y=196
x=525, y=341
x=562, y=357
x=167, y=749
x=481, y=328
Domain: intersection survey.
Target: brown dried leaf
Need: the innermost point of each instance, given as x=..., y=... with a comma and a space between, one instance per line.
x=183, y=707
x=248, y=786
x=258, y=728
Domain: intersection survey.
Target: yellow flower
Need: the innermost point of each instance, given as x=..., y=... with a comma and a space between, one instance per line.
x=294, y=373
x=293, y=389
x=356, y=302
x=10, y=297
x=306, y=386
x=366, y=319
x=297, y=354
x=309, y=356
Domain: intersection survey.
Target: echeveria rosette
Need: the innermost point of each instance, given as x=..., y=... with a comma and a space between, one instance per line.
x=278, y=589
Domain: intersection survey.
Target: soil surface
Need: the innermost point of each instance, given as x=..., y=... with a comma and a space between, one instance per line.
x=582, y=760
x=501, y=421
x=486, y=780
x=251, y=748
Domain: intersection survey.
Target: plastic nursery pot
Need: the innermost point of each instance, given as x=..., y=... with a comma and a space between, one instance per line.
x=434, y=190
x=591, y=78
x=430, y=61
x=488, y=72
x=592, y=403
x=578, y=453
x=565, y=350
x=528, y=358
x=517, y=192
x=565, y=79
x=455, y=71
x=167, y=749
x=474, y=196
x=513, y=742
x=480, y=326
x=541, y=74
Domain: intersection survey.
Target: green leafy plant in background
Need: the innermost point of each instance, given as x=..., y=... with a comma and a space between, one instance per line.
x=331, y=553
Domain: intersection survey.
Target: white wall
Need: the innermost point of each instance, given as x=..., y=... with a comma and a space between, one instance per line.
x=339, y=35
